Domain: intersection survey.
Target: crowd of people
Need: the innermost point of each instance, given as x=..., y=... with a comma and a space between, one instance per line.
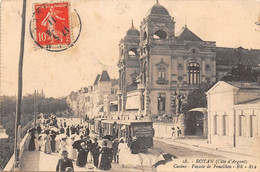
x=74, y=145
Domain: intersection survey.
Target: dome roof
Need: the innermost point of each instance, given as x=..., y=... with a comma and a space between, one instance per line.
x=132, y=31
x=158, y=9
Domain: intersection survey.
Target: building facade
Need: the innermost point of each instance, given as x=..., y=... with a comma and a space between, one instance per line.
x=158, y=69
x=233, y=113
x=154, y=64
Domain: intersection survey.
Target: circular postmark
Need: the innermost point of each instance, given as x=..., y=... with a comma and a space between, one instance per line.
x=54, y=26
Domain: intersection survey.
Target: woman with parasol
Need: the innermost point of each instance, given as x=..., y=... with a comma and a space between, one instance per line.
x=106, y=157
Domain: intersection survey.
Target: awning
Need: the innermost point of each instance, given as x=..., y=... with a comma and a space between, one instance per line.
x=203, y=110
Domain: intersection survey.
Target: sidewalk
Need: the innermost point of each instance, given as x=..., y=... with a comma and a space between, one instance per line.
x=190, y=142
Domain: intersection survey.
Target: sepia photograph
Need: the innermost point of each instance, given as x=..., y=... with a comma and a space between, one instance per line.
x=130, y=85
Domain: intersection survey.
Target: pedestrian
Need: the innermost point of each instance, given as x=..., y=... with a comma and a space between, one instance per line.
x=65, y=124
x=173, y=133
x=122, y=152
x=47, y=145
x=88, y=143
x=53, y=136
x=63, y=145
x=68, y=131
x=178, y=132
x=106, y=157
x=39, y=129
x=95, y=151
x=82, y=158
x=62, y=130
x=64, y=162
x=71, y=150
x=135, y=148
x=87, y=131
x=32, y=140
x=115, y=150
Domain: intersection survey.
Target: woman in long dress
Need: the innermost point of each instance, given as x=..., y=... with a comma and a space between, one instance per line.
x=63, y=145
x=106, y=157
x=36, y=141
x=47, y=147
x=123, y=153
x=32, y=140
x=72, y=152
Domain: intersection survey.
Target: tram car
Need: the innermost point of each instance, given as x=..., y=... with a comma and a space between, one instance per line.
x=110, y=128
x=142, y=130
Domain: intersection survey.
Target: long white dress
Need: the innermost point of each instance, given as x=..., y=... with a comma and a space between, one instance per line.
x=72, y=152
x=124, y=154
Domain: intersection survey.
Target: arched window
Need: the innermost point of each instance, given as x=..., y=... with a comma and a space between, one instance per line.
x=132, y=52
x=194, y=73
x=160, y=34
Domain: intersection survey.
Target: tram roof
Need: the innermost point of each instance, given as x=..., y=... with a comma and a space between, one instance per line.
x=111, y=121
x=129, y=122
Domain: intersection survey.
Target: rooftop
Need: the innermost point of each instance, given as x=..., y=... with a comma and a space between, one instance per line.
x=104, y=76
x=233, y=56
x=187, y=35
x=158, y=9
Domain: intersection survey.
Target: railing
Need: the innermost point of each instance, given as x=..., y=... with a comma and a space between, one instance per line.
x=23, y=146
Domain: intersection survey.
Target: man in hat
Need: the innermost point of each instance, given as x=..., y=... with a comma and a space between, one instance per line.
x=64, y=162
x=82, y=155
x=95, y=151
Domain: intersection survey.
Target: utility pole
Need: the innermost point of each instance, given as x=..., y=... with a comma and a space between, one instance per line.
x=19, y=99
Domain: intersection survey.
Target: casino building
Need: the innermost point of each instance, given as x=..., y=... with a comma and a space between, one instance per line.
x=157, y=68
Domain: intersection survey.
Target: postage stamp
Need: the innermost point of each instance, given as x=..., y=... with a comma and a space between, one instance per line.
x=52, y=23
x=52, y=27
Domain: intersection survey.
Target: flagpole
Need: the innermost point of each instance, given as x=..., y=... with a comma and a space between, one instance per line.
x=19, y=98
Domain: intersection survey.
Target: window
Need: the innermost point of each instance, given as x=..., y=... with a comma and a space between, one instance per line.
x=215, y=124
x=112, y=91
x=225, y=125
x=161, y=101
x=160, y=34
x=194, y=73
x=242, y=123
x=253, y=126
x=161, y=74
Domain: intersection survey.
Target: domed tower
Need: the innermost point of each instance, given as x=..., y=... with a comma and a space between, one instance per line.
x=128, y=63
x=156, y=39
x=157, y=24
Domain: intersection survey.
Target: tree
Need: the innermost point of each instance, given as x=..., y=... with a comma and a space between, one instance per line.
x=241, y=73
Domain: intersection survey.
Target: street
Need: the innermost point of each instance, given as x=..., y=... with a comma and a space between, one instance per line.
x=180, y=151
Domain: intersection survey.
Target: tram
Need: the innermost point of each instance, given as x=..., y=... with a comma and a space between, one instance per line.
x=142, y=130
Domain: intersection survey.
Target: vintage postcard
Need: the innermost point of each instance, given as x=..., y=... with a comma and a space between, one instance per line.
x=130, y=85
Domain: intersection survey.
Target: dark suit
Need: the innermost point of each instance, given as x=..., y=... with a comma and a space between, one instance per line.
x=63, y=164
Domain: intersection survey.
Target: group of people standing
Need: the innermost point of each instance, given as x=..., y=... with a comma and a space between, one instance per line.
x=176, y=133
x=74, y=146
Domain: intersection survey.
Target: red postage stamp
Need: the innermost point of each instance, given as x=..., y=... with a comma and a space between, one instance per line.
x=52, y=24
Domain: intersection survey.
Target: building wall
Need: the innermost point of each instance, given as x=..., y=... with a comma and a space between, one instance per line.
x=248, y=129
x=224, y=117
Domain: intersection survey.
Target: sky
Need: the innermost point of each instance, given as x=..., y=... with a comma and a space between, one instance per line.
x=104, y=23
